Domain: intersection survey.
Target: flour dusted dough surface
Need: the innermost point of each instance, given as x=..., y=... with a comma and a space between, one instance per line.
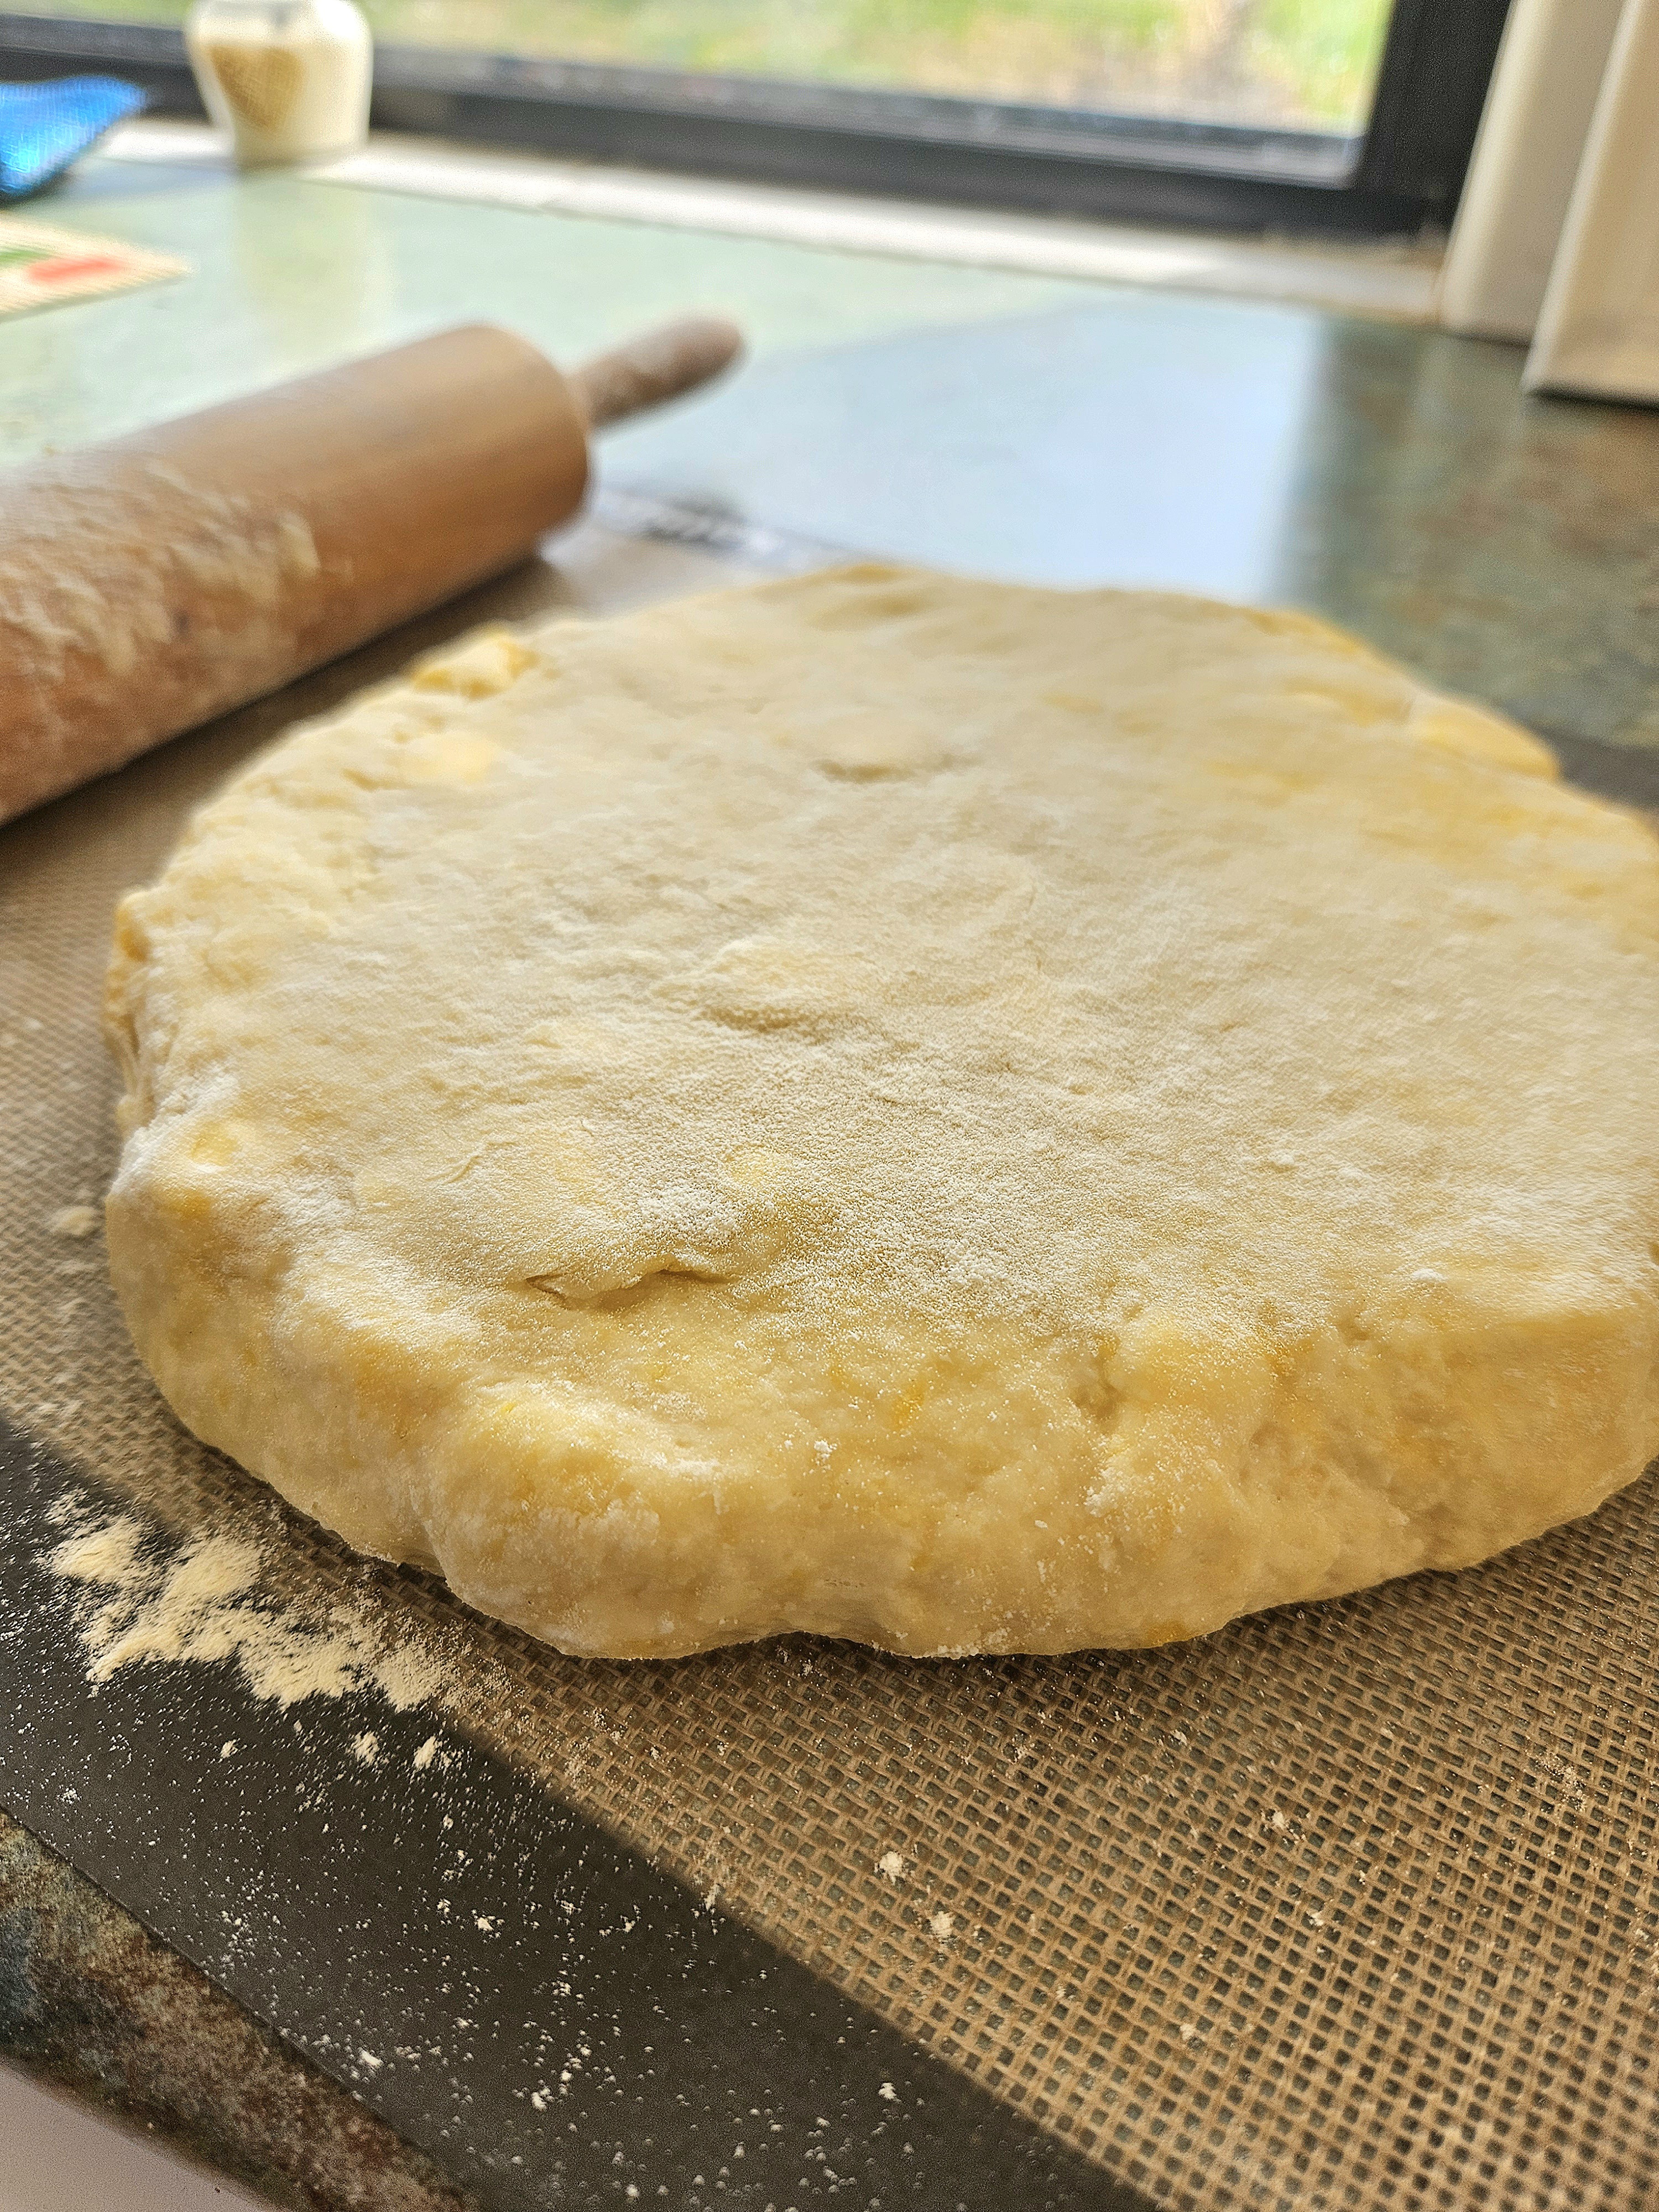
x=968, y=1118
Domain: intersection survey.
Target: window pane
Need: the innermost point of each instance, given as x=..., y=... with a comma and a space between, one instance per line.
x=1308, y=64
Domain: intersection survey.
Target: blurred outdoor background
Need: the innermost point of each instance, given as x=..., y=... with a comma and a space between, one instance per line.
x=1307, y=64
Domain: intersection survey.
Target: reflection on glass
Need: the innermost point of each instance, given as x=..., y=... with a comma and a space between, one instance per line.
x=1307, y=64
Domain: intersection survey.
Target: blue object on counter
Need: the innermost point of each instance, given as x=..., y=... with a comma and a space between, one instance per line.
x=44, y=127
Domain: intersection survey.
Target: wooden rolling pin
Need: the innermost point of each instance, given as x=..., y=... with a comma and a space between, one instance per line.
x=151, y=582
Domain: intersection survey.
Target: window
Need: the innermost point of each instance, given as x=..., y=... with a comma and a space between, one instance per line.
x=1310, y=114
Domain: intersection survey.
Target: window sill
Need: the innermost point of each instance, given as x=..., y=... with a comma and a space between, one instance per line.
x=1393, y=282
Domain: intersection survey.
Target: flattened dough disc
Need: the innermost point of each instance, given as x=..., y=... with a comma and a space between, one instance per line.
x=974, y=1118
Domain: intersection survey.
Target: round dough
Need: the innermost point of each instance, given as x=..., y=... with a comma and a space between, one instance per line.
x=974, y=1118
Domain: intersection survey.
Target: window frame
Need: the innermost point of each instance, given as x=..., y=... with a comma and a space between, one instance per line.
x=1399, y=177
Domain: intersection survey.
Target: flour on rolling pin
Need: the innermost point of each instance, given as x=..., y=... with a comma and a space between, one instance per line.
x=150, y=583
x=229, y=550
x=228, y=561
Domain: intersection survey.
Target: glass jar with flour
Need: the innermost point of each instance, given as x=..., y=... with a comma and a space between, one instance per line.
x=289, y=79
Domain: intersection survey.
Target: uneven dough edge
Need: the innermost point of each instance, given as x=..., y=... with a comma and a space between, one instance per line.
x=1292, y=1490
x=1286, y=1498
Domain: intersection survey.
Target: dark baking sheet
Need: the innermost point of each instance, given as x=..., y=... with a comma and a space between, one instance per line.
x=557, y=2022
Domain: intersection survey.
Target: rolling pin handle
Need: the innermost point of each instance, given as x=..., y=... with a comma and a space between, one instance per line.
x=659, y=366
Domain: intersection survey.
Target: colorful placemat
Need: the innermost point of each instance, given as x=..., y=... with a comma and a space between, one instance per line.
x=41, y=266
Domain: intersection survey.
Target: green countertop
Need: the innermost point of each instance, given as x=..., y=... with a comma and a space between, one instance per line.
x=1393, y=477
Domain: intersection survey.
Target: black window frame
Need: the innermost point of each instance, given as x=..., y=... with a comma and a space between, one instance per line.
x=1400, y=177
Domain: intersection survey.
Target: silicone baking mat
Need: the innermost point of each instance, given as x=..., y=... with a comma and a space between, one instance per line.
x=1352, y=1906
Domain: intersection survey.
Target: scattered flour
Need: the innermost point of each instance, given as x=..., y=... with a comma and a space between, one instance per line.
x=205, y=1604
x=891, y=1863
x=90, y=589
x=408, y=1676
x=942, y=1926
x=74, y=1221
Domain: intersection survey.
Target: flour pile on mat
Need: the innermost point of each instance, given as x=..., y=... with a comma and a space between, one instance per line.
x=968, y=1118
x=204, y=1604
